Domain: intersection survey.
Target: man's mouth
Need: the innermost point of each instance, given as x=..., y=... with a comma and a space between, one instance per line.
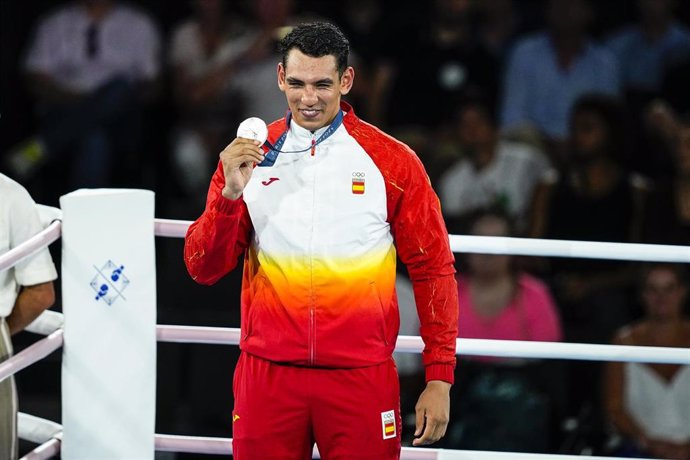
x=310, y=113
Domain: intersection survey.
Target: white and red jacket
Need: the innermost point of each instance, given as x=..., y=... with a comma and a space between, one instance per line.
x=319, y=232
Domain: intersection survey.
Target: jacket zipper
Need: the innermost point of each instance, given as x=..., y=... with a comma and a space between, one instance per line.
x=312, y=306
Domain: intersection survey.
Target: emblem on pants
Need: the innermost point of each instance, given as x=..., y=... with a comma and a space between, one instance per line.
x=388, y=424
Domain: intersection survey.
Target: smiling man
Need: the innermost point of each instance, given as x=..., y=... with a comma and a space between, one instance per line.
x=320, y=213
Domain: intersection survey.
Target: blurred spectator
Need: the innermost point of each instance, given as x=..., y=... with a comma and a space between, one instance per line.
x=649, y=404
x=646, y=49
x=497, y=301
x=595, y=199
x=548, y=71
x=499, y=25
x=426, y=72
x=363, y=23
x=256, y=78
x=492, y=172
x=205, y=52
x=668, y=220
x=26, y=290
x=90, y=65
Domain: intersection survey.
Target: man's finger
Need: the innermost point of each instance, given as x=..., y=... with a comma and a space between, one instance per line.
x=419, y=422
x=426, y=436
x=246, y=157
x=242, y=140
x=435, y=430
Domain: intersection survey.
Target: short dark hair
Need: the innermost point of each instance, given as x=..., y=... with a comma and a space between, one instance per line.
x=317, y=39
x=611, y=111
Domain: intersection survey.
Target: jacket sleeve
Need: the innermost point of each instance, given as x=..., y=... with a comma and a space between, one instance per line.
x=216, y=239
x=421, y=240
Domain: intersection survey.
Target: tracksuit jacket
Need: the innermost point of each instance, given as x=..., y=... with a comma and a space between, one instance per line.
x=319, y=230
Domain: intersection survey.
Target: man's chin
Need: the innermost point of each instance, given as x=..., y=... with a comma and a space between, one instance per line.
x=312, y=124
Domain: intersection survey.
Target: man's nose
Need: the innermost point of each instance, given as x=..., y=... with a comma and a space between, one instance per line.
x=309, y=97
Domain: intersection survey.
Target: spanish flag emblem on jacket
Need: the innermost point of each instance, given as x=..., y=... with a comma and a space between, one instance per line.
x=358, y=186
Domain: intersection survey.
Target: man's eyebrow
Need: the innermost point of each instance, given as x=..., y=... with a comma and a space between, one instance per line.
x=323, y=81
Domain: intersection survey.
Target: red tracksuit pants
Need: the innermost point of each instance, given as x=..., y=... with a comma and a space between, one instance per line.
x=282, y=410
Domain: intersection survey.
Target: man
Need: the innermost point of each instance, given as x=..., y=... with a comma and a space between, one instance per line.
x=549, y=70
x=26, y=290
x=647, y=49
x=316, y=222
x=491, y=172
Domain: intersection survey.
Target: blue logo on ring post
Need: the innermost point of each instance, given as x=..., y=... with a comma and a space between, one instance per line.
x=109, y=282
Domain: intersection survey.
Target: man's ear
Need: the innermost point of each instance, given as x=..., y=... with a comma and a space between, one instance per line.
x=281, y=76
x=346, y=80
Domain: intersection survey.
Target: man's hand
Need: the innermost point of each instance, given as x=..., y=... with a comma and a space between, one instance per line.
x=238, y=160
x=432, y=409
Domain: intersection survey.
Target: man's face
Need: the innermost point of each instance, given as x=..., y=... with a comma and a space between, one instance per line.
x=313, y=88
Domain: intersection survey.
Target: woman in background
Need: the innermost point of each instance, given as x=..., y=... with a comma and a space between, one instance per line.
x=497, y=301
x=649, y=404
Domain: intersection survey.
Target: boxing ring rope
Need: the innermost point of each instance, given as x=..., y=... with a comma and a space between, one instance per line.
x=405, y=344
x=522, y=246
x=223, y=446
x=31, y=354
x=38, y=430
x=30, y=246
x=467, y=347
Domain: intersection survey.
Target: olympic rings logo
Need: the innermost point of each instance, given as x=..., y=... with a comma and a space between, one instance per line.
x=358, y=174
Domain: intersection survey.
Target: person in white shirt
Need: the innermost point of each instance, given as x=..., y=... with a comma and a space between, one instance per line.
x=90, y=66
x=26, y=290
x=493, y=172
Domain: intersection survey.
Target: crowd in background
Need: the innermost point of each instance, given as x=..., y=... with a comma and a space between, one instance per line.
x=560, y=119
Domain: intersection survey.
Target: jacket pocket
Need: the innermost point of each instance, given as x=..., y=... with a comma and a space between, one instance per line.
x=258, y=294
x=382, y=311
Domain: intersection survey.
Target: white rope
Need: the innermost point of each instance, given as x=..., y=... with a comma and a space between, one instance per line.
x=198, y=334
x=171, y=228
x=485, y=455
x=47, y=450
x=35, y=429
x=468, y=347
x=565, y=248
x=521, y=246
x=30, y=246
x=223, y=446
x=193, y=444
x=31, y=354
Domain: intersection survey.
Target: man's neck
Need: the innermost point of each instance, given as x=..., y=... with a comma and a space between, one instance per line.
x=484, y=155
x=567, y=47
x=97, y=11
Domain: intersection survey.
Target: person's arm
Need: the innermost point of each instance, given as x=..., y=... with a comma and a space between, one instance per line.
x=30, y=303
x=614, y=397
x=216, y=239
x=540, y=206
x=36, y=273
x=516, y=90
x=422, y=243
